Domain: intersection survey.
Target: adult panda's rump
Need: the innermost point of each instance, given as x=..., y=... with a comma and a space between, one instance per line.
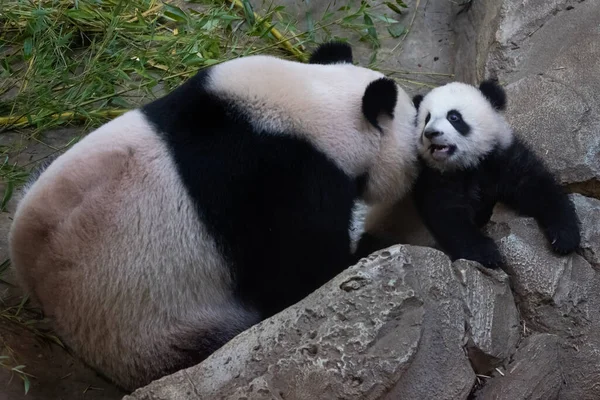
x=169, y=345
x=58, y=217
x=109, y=243
x=35, y=173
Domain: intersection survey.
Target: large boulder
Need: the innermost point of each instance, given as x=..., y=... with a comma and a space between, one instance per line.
x=392, y=326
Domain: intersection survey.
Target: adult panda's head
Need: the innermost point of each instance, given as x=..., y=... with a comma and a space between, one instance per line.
x=356, y=116
x=460, y=124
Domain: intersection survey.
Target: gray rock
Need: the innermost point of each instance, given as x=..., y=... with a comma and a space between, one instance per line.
x=546, y=53
x=533, y=374
x=557, y=294
x=580, y=368
x=381, y=329
x=589, y=215
x=492, y=316
x=547, y=366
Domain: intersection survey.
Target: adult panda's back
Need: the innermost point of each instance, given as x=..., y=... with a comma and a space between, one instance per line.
x=276, y=204
x=116, y=233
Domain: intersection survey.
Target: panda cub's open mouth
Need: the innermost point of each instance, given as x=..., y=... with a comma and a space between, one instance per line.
x=441, y=152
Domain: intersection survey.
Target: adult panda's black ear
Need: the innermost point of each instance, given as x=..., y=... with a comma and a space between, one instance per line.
x=417, y=99
x=494, y=93
x=332, y=53
x=380, y=97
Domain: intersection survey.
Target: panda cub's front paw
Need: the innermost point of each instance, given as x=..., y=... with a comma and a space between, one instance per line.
x=485, y=253
x=564, y=241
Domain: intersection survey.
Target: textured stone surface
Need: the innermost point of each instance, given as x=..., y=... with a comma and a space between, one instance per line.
x=555, y=293
x=580, y=366
x=547, y=366
x=492, y=316
x=547, y=53
x=589, y=216
x=533, y=374
x=379, y=330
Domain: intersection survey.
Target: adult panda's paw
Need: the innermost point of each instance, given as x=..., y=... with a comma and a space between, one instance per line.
x=485, y=253
x=564, y=240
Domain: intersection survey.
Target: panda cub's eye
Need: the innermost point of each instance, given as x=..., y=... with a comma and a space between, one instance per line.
x=454, y=116
x=427, y=118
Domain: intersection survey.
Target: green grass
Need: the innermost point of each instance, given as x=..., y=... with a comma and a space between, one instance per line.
x=92, y=59
x=86, y=61
x=83, y=62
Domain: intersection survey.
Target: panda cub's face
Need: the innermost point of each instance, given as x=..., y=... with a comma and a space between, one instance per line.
x=460, y=124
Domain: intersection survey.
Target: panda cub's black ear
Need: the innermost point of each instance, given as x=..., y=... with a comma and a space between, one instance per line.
x=380, y=97
x=332, y=53
x=417, y=100
x=494, y=93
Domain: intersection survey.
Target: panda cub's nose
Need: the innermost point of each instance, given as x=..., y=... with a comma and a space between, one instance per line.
x=432, y=133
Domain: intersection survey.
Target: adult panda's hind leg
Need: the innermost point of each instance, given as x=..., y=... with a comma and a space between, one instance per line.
x=194, y=340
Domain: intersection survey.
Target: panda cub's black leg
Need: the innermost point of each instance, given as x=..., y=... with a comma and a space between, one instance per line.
x=531, y=189
x=460, y=238
x=452, y=218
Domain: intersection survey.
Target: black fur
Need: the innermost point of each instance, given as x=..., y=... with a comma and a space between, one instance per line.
x=361, y=183
x=417, y=100
x=457, y=121
x=332, y=53
x=380, y=97
x=455, y=205
x=494, y=93
x=278, y=208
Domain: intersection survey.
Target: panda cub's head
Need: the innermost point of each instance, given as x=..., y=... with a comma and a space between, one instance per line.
x=460, y=124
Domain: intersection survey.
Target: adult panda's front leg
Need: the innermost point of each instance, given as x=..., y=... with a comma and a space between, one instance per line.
x=450, y=218
x=531, y=189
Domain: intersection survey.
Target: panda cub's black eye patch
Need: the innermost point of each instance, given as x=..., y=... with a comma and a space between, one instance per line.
x=427, y=118
x=456, y=119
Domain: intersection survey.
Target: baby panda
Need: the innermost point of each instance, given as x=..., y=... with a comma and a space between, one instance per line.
x=169, y=230
x=470, y=160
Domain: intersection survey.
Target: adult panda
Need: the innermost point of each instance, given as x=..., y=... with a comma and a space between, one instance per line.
x=470, y=160
x=169, y=230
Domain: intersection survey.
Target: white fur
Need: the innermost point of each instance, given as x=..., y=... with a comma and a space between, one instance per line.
x=489, y=128
x=108, y=237
x=324, y=103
